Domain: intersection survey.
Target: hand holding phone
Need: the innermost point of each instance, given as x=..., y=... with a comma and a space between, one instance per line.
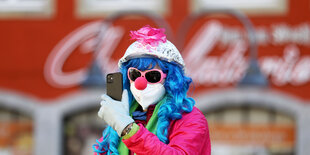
x=115, y=113
x=114, y=105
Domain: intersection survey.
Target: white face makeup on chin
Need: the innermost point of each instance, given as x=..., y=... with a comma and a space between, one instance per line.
x=152, y=94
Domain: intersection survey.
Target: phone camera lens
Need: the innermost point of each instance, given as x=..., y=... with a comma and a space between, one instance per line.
x=110, y=78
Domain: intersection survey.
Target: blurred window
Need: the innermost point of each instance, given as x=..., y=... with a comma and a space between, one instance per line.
x=251, y=130
x=81, y=131
x=99, y=8
x=25, y=8
x=16, y=133
x=256, y=7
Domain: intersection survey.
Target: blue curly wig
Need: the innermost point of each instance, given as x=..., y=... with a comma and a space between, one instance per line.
x=176, y=85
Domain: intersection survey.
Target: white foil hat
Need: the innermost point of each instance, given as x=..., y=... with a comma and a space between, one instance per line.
x=152, y=42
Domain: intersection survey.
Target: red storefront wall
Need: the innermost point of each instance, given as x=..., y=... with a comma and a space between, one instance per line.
x=26, y=44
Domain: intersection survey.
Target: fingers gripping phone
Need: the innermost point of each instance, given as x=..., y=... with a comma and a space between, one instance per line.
x=115, y=85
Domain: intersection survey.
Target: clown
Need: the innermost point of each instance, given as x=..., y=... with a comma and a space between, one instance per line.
x=155, y=115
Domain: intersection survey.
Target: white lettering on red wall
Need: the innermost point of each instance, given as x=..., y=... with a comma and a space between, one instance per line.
x=290, y=68
x=228, y=68
x=86, y=38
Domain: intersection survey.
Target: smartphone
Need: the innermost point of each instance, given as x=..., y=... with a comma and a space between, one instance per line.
x=115, y=85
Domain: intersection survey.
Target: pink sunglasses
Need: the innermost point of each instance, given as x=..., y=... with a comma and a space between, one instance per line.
x=152, y=75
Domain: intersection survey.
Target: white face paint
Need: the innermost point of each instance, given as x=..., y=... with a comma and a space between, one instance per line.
x=152, y=94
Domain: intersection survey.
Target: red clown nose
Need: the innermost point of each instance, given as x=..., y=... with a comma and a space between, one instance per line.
x=140, y=83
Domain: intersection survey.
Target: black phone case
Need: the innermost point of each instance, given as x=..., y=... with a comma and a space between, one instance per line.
x=115, y=85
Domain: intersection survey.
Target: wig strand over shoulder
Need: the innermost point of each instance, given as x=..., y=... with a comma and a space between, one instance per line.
x=176, y=85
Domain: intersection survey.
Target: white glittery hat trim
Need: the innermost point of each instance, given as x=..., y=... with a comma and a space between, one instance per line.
x=164, y=51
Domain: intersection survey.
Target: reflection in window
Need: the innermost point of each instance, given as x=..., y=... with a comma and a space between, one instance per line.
x=81, y=131
x=90, y=8
x=22, y=8
x=251, y=130
x=16, y=133
x=249, y=6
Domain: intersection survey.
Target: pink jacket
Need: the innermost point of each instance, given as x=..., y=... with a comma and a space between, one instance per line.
x=188, y=136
